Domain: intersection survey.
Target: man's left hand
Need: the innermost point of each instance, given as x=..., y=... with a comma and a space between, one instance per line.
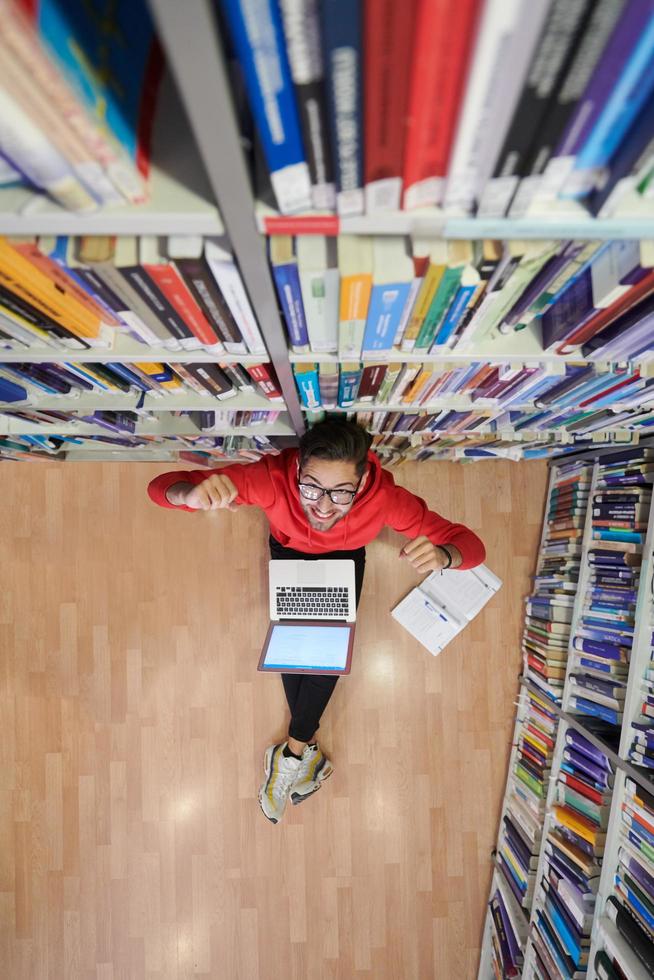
x=423, y=555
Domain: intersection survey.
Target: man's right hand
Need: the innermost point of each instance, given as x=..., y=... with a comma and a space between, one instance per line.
x=215, y=493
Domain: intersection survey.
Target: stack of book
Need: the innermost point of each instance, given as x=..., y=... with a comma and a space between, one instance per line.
x=202, y=448
x=78, y=88
x=604, y=635
x=28, y=381
x=522, y=821
x=573, y=850
x=508, y=933
x=549, y=607
x=126, y=421
x=641, y=750
x=431, y=297
x=181, y=293
x=376, y=106
x=629, y=939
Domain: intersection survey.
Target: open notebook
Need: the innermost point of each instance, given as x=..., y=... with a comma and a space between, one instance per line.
x=442, y=605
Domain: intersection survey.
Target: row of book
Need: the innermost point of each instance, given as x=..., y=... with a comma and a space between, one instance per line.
x=554, y=388
x=522, y=820
x=574, y=845
x=30, y=381
x=127, y=421
x=202, y=450
x=641, y=750
x=362, y=296
x=78, y=89
x=482, y=105
x=548, y=613
x=507, y=932
x=604, y=634
x=630, y=907
x=180, y=293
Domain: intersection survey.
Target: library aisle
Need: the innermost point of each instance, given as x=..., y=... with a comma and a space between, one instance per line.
x=133, y=729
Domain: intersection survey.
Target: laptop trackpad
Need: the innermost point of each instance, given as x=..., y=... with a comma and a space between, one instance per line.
x=310, y=573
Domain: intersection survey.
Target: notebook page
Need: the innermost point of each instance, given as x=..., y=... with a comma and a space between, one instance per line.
x=464, y=594
x=420, y=617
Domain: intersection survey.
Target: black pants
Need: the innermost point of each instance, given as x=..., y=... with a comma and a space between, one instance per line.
x=308, y=694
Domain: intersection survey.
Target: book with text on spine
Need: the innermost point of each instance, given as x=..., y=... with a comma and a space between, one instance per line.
x=441, y=607
x=302, y=31
x=257, y=35
x=341, y=34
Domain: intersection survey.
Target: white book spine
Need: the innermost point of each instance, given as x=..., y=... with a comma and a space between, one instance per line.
x=231, y=286
x=31, y=152
x=492, y=46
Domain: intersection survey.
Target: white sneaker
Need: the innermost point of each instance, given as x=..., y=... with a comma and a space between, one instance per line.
x=314, y=768
x=281, y=773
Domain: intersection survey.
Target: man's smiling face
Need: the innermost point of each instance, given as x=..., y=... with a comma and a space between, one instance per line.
x=326, y=474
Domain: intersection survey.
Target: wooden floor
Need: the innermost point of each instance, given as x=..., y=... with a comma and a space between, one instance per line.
x=133, y=724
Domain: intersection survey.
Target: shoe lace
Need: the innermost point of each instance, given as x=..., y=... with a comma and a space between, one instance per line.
x=285, y=780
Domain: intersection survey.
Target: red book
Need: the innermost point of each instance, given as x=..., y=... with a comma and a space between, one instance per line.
x=443, y=37
x=387, y=43
x=371, y=379
x=604, y=317
x=577, y=784
x=608, y=391
x=264, y=376
x=179, y=296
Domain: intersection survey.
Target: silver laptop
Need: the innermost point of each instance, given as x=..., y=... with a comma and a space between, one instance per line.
x=312, y=589
x=312, y=616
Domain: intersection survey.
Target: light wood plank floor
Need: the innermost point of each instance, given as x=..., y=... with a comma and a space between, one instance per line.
x=133, y=724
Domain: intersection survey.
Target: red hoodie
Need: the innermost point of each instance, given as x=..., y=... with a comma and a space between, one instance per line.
x=271, y=483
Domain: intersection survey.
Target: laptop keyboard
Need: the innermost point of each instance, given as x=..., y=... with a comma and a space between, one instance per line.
x=312, y=601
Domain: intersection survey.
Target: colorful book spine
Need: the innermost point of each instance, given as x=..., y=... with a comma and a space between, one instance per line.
x=257, y=35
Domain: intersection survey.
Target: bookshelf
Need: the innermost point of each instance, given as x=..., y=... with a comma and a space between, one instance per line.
x=200, y=186
x=603, y=932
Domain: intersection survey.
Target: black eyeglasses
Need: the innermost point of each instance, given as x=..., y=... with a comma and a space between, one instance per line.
x=340, y=497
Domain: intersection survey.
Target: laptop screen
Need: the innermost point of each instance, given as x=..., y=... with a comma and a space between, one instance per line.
x=323, y=649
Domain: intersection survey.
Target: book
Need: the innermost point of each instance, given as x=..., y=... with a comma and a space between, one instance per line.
x=319, y=284
x=342, y=46
x=355, y=264
x=302, y=33
x=349, y=381
x=287, y=283
x=387, y=47
x=258, y=40
x=442, y=605
x=437, y=77
x=496, y=22
x=392, y=276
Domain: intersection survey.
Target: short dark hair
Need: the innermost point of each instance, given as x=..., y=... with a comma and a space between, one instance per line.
x=336, y=440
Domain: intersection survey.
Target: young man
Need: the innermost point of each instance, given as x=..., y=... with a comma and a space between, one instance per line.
x=327, y=499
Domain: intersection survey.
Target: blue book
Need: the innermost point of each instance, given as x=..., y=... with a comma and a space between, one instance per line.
x=308, y=384
x=287, y=283
x=635, y=901
x=123, y=371
x=387, y=302
x=552, y=945
x=607, y=534
x=597, y=710
x=453, y=316
x=258, y=38
x=349, y=380
x=566, y=935
x=627, y=98
x=342, y=46
x=10, y=392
